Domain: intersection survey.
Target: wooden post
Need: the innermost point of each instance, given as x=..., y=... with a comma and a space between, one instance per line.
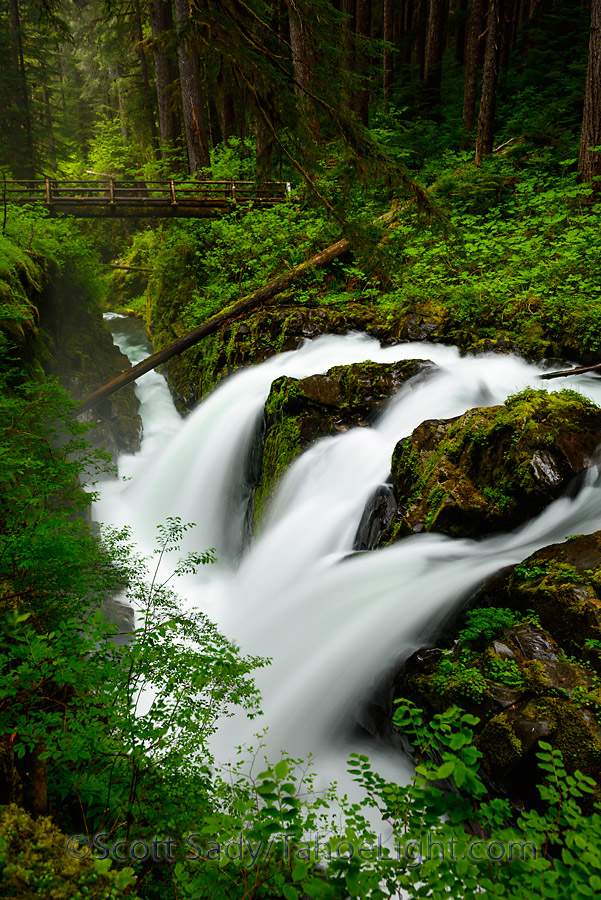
x=234, y=191
x=112, y=190
x=172, y=187
x=48, y=192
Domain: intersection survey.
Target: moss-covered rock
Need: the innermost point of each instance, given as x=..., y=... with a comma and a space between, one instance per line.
x=523, y=689
x=299, y=412
x=493, y=468
x=34, y=863
x=561, y=585
x=262, y=334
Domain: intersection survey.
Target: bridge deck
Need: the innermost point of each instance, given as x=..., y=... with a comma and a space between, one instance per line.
x=145, y=199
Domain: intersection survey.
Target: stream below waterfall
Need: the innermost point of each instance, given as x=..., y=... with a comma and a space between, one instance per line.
x=331, y=625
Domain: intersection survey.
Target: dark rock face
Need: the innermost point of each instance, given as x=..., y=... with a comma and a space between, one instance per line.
x=299, y=412
x=377, y=517
x=492, y=468
x=81, y=353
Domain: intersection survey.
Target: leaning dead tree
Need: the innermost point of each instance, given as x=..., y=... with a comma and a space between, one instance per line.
x=262, y=297
x=578, y=371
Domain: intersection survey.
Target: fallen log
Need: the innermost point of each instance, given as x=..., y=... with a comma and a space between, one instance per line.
x=565, y=372
x=261, y=297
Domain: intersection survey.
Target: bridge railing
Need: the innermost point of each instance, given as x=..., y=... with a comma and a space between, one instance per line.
x=167, y=191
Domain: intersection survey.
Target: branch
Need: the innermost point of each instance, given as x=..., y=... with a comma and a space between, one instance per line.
x=261, y=297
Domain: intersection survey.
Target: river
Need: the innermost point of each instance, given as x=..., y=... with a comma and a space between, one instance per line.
x=331, y=625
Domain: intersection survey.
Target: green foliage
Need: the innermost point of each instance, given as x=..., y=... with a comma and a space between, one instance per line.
x=232, y=161
x=461, y=842
x=519, y=256
x=43, y=537
x=505, y=671
x=457, y=674
x=486, y=623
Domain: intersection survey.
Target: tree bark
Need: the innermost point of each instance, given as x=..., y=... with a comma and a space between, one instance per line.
x=490, y=77
x=247, y=304
x=387, y=57
x=589, y=161
x=21, y=79
x=161, y=24
x=435, y=44
x=348, y=30
x=193, y=101
x=142, y=58
x=303, y=64
x=460, y=31
x=420, y=20
x=363, y=30
x=39, y=781
x=472, y=62
x=227, y=108
x=509, y=30
x=581, y=370
x=50, y=128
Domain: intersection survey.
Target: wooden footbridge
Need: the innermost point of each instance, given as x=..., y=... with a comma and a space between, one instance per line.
x=144, y=199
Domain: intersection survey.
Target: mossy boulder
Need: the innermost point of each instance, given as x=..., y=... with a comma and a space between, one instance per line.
x=300, y=411
x=493, y=468
x=34, y=863
x=522, y=688
x=561, y=584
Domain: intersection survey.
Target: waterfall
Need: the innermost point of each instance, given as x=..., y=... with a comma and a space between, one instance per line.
x=330, y=624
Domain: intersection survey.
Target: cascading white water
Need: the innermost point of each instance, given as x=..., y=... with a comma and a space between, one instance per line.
x=330, y=625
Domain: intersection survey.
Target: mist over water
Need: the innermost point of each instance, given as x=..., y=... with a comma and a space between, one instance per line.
x=331, y=625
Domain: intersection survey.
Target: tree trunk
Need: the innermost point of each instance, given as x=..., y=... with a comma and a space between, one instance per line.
x=435, y=44
x=490, y=77
x=421, y=19
x=460, y=31
x=121, y=105
x=348, y=30
x=589, y=161
x=348, y=48
x=22, y=102
x=303, y=64
x=406, y=35
x=387, y=57
x=142, y=59
x=39, y=781
x=50, y=129
x=508, y=31
x=161, y=24
x=227, y=107
x=472, y=62
x=193, y=101
x=363, y=30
